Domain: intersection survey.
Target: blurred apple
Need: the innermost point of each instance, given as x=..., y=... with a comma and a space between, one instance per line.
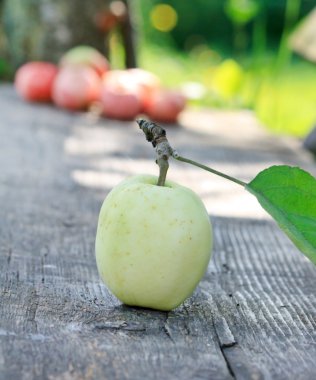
x=114, y=77
x=34, y=80
x=165, y=105
x=121, y=96
x=87, y=56
x=148, y=82
x=76, y=87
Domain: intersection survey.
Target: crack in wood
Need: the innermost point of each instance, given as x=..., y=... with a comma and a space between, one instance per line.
x=228, y=345
x=226, y=340
x=237, y=363
x=223, y=332
x=9, y=258
x=32, y=309
x=44, y=253
x=166, y=328
x=42, y=268
x=186, y=327
x=120, y=325
x=227, y=361
x=226, y=268
x=68, y=223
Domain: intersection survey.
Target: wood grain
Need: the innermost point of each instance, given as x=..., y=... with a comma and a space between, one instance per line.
x=252, y=317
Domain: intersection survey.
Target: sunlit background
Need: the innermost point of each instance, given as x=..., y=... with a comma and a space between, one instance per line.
x=231, y=54
x=235, y=54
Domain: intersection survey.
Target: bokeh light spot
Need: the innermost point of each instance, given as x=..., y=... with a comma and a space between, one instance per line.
x=163, y=17
x=227, y=78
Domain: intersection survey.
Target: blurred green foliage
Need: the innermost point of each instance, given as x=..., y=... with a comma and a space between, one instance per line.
x=234, y=53
x=213, y=22
x=284, y=100
x=241, y=11
x=6, y=71
x=286, y=103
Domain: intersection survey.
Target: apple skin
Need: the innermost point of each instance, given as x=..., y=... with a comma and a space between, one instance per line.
x=34, y=81
x=153, y=243
x=127, y=93
x=148, y=82
x=121, y=96
x=165, y=105
x=76, y=87
x=87, y=56
x=120, y=104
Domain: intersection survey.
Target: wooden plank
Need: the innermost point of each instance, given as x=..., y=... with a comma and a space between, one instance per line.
x=252, y=317
x=267, y=294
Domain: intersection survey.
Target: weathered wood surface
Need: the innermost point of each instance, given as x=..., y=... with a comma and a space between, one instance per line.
x=252, y=317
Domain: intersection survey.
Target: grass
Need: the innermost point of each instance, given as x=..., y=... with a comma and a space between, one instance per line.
x=285, y=101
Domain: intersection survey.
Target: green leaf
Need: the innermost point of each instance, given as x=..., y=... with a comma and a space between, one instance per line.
x=288, y=194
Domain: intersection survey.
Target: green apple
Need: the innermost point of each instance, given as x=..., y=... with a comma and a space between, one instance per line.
x=153, y=243
x=86, y=56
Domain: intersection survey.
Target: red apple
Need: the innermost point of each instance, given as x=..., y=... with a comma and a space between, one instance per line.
x=115, y=77
x=165, y=106
x=76, y=87
x=34, y=80
x=148, y=82
x=121, y=97
x=87, y=56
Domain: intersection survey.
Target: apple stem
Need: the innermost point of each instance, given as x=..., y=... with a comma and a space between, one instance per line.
x=163, y=169
x=187, y=160
x=157, y=136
